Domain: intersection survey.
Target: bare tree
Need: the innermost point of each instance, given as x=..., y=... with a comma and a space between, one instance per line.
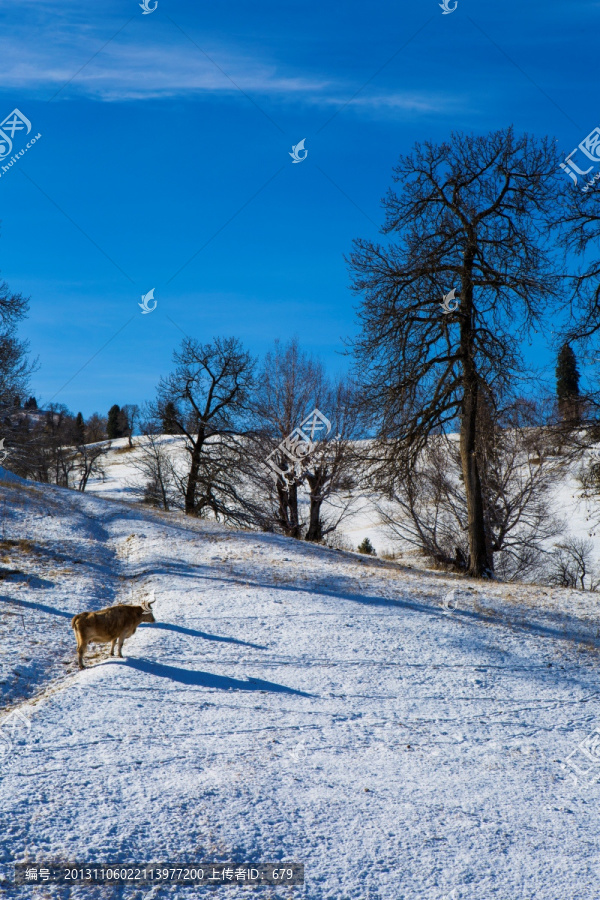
x=571, y=565
x=290, y=384
x=15, y=368
x=519, y=468
x=154, y=462
x=89, y=461
x=578, y=216
x=471, y=214
x=15, y=371
x=332, y=470
x=209, y=393
x=425, y=506
x=55, y=443
x=95, y=429
x=131, y=415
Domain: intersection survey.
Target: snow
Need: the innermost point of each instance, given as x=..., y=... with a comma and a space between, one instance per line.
x=120, y=478
x=291, y=703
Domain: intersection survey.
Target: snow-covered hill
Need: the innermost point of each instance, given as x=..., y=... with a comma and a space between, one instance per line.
x=580, y=517
x=291, y=703
x=121, y=477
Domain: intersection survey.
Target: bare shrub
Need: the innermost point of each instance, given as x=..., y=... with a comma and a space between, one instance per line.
x=571, y=565
x=518, y=470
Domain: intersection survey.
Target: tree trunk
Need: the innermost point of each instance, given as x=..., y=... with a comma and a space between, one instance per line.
x=480, y=561
x=288, y=508
x=190, y=491
x=162, y=489
x=315, y=526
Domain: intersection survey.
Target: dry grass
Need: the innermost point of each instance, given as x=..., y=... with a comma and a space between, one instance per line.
x=22, y=544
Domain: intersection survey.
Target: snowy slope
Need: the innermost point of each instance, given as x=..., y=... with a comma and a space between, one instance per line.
x=120, y=476
x=580, y=517
x=290, y=703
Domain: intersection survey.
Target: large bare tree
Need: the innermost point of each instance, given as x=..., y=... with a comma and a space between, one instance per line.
x=209, y=394
x=470, y=215
x=578, y=216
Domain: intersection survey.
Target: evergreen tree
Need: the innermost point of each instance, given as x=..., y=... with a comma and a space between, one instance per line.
x=31, y=403
x=567, y=386
x=366, y=547
x=79, y=430
x=114, y=426
x=122, y=425
x=169, y=419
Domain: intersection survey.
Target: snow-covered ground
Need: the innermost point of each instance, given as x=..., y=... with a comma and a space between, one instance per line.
x=291, y=703
x=120, y=477
x=580, y=517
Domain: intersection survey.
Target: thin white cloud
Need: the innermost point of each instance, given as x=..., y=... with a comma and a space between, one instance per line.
x=131, y=70
x=134, y=68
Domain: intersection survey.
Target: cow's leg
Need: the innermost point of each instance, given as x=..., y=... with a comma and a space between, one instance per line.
x=81, y=648
x=119, y=646
x=112, y=646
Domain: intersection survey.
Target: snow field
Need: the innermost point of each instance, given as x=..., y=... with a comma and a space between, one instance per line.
x=291, y=703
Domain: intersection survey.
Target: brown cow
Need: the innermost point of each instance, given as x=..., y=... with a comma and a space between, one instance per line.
x=111, y=625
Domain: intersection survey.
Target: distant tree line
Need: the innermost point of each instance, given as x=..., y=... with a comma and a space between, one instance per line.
x=205, y=438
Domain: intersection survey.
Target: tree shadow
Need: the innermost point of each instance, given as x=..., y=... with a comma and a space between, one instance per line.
x=206, y=679
x=32, y=580
x=41, y=607
x=180, y=629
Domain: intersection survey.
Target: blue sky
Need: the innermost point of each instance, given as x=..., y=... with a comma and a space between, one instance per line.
x=164, y=161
